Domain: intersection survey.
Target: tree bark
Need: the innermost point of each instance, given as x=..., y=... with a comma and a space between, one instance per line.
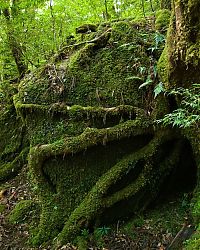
x=183, y=44
x=16, y=48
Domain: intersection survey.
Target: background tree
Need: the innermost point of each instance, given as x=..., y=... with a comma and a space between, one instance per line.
x=34, y=30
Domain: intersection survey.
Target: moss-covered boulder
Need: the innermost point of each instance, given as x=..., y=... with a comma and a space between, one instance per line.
x=95, y=152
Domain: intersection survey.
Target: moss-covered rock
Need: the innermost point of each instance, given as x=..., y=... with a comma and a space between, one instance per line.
x=83, y=106
x=95, y=75
x=90, y=123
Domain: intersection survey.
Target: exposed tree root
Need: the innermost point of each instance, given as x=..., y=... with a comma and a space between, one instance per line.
x=10, y=169
x=97, y=201
x=99, y=198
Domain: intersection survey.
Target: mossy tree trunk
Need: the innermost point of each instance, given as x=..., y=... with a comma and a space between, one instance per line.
x=183, y=43
x=179, y=67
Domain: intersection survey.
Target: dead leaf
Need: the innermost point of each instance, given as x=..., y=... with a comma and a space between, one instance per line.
x=3, y=193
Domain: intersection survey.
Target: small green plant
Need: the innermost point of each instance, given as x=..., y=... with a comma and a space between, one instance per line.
x=142, y=70
x=159, y=88
x=103, y=230
x=158, y=44
x=188, y=113
x=85, y=233
x=159, y=40
x=83, y=239
x=152, y=73
x=99, y=235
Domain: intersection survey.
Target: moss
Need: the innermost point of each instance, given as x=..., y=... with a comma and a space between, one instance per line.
x=193, y=55
x=162, y=20
x=87, y=123
x=2, y=208
x=86, y=28
x=194, y=242
x=165, y=4
x=98, y=199
x=183, y=43
x=10, y=169
x=163, y=68
x=97, y=72
x=22, y=211
x=56, y=182
x=14, y=143
x=6, y=93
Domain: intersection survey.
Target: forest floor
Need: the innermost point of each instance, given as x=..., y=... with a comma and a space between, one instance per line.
x=155, y=229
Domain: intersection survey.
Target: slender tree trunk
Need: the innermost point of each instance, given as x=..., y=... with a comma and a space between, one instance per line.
x=16, y=48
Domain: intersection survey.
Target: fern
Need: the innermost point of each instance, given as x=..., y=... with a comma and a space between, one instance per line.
x=188, y=114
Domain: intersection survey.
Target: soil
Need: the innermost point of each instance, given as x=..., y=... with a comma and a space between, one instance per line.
x=154, y=230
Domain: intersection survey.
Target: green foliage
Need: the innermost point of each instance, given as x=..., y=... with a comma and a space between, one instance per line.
x=85, y=233
x=188, y=114
x=194, y=242
x=155, y=51
x=159, y=88
x=159, y=40
x=41, y=27
x=103, y=230
x=162, y=20
x=99, y=234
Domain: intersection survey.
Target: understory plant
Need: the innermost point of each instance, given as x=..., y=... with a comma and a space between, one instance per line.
x=188, y=113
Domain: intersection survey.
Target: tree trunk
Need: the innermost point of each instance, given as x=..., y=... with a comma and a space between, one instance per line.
x=179, y=67
x=16, y=48
x=182, y=51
